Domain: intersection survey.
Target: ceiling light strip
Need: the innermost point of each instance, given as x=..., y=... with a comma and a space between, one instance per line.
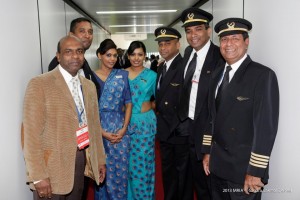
x=134, y=25
x=134, y=12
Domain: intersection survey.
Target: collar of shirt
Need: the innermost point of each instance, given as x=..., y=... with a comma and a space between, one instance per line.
x=169, y=62
x=67, y=76
x=201, y=54
x=81, y=72
x=234, y=67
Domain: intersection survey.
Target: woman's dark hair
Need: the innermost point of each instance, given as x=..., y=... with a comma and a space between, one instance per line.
x=135, y=45
x=106, y=45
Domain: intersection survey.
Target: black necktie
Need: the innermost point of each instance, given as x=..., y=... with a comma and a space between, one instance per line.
x=163, y=73
x=223, y=86
x=183, y=110
x=190, y=70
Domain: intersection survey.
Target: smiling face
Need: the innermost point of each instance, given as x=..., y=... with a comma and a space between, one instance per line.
x=233, y=47
x=71, y=54
x=137, y=57
x=197, y=36
x=109, y=58
x=168, y=49
x=84, y=31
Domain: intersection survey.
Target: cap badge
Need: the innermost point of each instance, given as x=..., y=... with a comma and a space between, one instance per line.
x=190, y=16
x=163, y=31
x=230, y=25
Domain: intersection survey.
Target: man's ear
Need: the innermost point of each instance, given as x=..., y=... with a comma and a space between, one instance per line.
x=247, y=41
x=70, y=33
x=209, y=31
x=57, y=56
x=178, y=44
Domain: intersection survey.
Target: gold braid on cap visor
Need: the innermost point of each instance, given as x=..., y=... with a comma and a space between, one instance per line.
x=173, y=36
x=233, y=29
x=195, y=20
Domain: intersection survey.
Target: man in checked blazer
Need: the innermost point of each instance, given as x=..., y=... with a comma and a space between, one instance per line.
x=55, y=163
x=244, y=118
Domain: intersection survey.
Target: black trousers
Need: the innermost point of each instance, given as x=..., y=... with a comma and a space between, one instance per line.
x=226, y=190
x=76, y=193
x=201, y=182
x=175, y=171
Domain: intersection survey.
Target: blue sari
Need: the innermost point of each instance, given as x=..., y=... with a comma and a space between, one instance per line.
x=142, y=130
x=115, y=94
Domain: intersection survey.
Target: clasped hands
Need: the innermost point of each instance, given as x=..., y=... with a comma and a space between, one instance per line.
x=115, y=137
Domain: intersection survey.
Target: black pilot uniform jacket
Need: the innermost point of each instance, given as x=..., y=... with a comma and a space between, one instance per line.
x=245, y=126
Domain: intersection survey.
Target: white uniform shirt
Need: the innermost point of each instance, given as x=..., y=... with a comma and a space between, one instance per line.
x=168, y=64
x=234, y=68
x=201, y=55
x=67, y=76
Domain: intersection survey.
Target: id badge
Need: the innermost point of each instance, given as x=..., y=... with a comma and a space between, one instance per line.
x=82, y=137
x=196, y=77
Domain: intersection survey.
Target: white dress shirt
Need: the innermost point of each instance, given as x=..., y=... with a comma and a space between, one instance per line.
x=67, y=76
x=234, y=68
x=168, y=64
x=201, y=55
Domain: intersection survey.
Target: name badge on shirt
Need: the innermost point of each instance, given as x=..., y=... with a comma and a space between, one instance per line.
x=82, y=137
x=119, y=76
x=196, y=77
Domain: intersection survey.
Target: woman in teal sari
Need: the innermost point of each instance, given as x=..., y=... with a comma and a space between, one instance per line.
x=115, y=111
x=142, y=128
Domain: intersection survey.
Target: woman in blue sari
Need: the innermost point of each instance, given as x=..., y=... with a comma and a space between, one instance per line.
x=115, y=111
x=142, y=128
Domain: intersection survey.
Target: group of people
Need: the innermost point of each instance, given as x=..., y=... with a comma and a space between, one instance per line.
x=217, y=112
x=128, y=124
x=215, y=115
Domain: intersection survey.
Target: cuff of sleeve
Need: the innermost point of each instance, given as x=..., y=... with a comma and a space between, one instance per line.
x=206, y=143
x=35, y=182
x=258, y=164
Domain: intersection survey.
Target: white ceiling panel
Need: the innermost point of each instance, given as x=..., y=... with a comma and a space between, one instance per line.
x=90, y=7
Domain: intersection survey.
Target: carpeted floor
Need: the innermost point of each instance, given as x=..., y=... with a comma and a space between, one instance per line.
x=159, y=193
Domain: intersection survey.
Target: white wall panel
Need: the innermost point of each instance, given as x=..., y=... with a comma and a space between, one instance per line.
x=90, y=54
x=53, y=27
x=208, y=7
x=120, y=41
x=225, y=9
x=274, y=42
x=183, y=42
x=99, y=35
x=20, y=61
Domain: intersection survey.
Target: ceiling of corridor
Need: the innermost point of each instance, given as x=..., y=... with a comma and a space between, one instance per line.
x=133, y=22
